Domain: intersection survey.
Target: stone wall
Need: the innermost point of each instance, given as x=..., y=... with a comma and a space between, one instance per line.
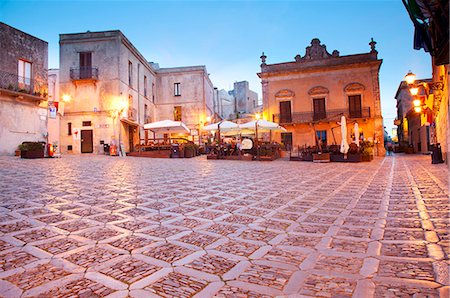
x=23, y=116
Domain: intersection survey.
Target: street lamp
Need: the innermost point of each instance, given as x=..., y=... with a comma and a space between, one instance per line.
x=420, y=106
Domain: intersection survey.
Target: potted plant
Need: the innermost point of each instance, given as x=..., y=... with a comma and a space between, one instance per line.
x=353, y=154
x=366, y=150
x=190, y=150
x=31, y=150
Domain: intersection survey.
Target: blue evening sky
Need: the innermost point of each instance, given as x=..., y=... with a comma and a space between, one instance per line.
x=229, y=36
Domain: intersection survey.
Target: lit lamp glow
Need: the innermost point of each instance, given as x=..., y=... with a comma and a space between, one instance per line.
x=417, y=109
x=417, y=102
x=208, y=119
x=410, y=78
x=257, y=116
x=414, y=90
x=66, y=97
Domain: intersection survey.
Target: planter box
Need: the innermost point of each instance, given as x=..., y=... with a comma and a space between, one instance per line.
x=366, y=157
x=307, y=157
x=337, y=157
x=32, y=154
x=354, y=157
x=323, y=157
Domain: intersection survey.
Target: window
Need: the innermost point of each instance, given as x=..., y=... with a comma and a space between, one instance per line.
x=322, y=137
x=145, y=86
x=319, y=109
x=153, y=92
x=69, y=128
x=285, y=112
x=286, y=140
x=87, y=123
x=177, y=89
x=177, y=113
x=146, y=118
x=130, y=73
x=354, y=106
x=85, y=65
x=24, y=73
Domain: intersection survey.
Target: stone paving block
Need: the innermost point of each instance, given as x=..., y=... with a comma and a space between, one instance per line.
x=408, y=250
x=36, y=276
x=168, y=252
x=213, y=264
x=418, y=270
x=79, y=288
x=91, y=257
x=327, y=286
x=15, y=259
x=177, y=285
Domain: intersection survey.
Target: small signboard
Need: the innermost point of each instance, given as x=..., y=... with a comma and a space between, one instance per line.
x=76, y=134
x=52, y=112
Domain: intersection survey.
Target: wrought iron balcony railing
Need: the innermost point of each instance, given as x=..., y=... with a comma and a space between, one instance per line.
x=307, y=117
x=84, y=73
x=15, y=83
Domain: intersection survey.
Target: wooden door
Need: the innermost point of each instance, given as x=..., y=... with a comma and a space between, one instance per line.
x=354, y=106
x=285, y=112
x=85, y=65
x=131, y=138
x=87, y=145
x=319, y=109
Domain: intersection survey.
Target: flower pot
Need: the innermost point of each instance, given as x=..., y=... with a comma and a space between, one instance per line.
x=321, y=157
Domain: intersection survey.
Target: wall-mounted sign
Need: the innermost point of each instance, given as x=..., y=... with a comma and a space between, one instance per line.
x=102, y=126
x=76, y=134
x=52, y=112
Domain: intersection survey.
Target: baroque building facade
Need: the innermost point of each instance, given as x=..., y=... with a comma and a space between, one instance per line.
x=310, y=94
x=23, y=88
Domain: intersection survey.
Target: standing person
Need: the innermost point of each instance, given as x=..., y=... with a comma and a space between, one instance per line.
x=390, y=148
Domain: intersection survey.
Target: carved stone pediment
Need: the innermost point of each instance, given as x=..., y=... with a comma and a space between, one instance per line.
x=316, y=51
x=318, y=90
x=352, y=87
x=284, y=94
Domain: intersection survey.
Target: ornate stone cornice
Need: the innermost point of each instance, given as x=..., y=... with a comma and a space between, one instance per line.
x=285, y=94
x=318, y=90
x=352, y=87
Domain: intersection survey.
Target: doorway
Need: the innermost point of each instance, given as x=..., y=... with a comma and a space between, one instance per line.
x=131, y=138
x=87, y=145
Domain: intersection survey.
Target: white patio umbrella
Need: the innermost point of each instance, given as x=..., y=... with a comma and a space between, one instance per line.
x=167, y=126
x=356, y=131
x=224, y=126
x=262, y=125
x=344, y=143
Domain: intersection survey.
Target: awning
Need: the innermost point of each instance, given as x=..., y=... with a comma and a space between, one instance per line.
x=167, y=126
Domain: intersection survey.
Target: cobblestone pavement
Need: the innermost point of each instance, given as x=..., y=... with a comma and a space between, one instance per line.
x=96, y=226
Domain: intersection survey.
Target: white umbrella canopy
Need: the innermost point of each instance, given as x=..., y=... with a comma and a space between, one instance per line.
x=263, y=126
x=356, y=131
x=225, y=126
x=344, y=143
x=167, y=126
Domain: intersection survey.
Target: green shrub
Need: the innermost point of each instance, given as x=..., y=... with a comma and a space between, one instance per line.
x=31, y=146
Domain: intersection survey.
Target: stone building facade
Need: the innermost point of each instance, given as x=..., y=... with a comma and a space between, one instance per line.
x=23, y=88
x=310, y=94
x=413, y=129
x=110, y=91
x=114, y=91
x=184, y=94
x=236, y=103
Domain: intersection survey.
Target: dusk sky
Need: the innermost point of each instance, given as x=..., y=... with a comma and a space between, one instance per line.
x=229, y=36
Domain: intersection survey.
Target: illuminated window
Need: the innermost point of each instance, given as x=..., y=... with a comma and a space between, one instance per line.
x=24, y=73
x=177, y=89
x=177, y=113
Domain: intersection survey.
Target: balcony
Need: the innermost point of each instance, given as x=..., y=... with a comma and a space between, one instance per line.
x=84, y=74
x=19, y=86
x=330, y=115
